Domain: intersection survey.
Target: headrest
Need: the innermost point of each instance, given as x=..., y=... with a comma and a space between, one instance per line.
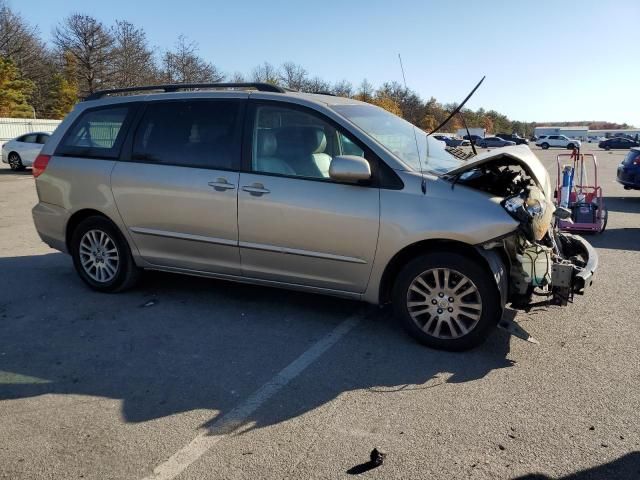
x=320, y=140
x=267, y=143
x=306, y=140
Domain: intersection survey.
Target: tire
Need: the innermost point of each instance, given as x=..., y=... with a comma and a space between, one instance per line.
x=416, y=290
x=112, y=268
x=544, y=146
x=15, y=162
x=607, y=148
x=570, y=146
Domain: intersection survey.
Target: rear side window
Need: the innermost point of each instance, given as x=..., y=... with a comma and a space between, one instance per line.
x=200, y=134
x=42, y=139
x=96, y=133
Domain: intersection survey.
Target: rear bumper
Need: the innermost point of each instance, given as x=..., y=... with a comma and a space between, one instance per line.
x=628, y=178
x=50, y=222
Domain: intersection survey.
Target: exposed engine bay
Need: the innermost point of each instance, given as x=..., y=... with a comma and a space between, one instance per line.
x=541, y=260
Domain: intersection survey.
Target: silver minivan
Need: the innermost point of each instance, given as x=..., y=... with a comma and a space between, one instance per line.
x=255, y=183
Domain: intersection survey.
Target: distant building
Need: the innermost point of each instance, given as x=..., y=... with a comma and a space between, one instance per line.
x=481, y=132
x=583, y=132
x=628, y=132
x=576, y=133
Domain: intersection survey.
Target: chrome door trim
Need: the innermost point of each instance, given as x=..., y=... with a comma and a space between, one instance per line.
x=257, y=281
x=303, y=253
x=184, y=236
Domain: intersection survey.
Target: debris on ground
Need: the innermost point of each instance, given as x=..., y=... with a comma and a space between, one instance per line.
x=376, y=458
x=150, y=303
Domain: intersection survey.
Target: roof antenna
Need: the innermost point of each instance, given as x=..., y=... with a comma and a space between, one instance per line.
x=456, y=110
x=423, y=182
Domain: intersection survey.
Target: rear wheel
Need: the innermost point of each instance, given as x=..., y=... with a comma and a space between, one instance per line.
x=446, y=301
x=15, y=162
x=102, y=257
x=570, y=146
x=544, y=146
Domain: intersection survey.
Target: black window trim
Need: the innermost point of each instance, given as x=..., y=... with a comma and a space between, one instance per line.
x=112, y=153
x=126, y=154
x=379, y=168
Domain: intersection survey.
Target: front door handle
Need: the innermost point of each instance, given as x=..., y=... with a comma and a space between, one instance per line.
x=256, y=189
x=221, y=184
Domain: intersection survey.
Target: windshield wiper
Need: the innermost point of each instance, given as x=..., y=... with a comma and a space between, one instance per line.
x=458, y=109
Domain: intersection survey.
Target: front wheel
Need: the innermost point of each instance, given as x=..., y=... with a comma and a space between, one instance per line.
x=15, y=162
x=447, y=301
x=102, y=257
x=544, y=146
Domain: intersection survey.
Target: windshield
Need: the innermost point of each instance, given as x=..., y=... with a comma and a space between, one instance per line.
x=407, y=142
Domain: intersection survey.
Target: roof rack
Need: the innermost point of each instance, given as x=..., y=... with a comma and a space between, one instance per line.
x=261, y=87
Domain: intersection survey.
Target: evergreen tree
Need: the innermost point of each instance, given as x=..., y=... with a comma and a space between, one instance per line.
x=14, y=91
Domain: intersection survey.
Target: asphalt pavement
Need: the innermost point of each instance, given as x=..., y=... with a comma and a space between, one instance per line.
x=191, y=378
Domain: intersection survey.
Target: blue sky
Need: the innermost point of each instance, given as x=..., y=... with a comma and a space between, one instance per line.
x=544, y=60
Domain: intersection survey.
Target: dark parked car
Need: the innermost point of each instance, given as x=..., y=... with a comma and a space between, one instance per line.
x=494, y=142
x=629, y=170
x=452, y=141
x=514, y=137
x=618, y=142
x=475, y=138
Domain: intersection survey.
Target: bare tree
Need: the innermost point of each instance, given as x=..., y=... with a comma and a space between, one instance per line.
x=343, y=88
x=365, y=91
x=21, y=43
x=237, y=77
x=266, y=73
x=132, y=60
x=293, y=76
x=92, y=45
x=316, y=85
x=183, y=65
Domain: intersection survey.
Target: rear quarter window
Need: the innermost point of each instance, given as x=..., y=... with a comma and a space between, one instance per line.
x=97, y=133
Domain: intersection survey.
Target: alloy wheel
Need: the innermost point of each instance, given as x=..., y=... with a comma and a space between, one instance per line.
x=99, y=256
x=444, y=303
x=14, y=161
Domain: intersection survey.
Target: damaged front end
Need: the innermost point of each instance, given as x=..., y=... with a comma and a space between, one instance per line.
x=541, y=260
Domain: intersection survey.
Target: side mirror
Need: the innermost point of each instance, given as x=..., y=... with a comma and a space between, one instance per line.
x=349, y=168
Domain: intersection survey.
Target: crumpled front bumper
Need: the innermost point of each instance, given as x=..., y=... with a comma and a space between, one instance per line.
x=584, y=279
x=569, y=276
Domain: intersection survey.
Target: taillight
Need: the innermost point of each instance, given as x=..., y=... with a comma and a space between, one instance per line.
x=40, y=165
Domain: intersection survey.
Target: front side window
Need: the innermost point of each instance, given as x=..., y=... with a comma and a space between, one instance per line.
x=30, y=138
x=288, y=141
x=96, y=133
x=200, y=134
x=406, y=141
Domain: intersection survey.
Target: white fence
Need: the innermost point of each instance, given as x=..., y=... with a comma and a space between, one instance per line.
x=14, y=127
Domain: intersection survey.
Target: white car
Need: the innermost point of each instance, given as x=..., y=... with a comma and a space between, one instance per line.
x=22, y=151
x=546, y=141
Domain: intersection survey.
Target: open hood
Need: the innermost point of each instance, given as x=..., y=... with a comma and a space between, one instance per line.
x=521, y=155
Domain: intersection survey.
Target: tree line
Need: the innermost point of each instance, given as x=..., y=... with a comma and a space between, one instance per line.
x=85, y=55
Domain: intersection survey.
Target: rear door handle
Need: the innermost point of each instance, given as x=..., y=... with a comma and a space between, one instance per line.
x=256, y=189
x=221, y=184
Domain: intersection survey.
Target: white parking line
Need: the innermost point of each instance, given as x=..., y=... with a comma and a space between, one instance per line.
x=231, y=421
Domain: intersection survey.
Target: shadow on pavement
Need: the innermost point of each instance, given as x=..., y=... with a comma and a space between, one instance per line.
x=201, y=344
x=628, y=204
x=617, y=238
x=8, y=171
x=626, y=467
